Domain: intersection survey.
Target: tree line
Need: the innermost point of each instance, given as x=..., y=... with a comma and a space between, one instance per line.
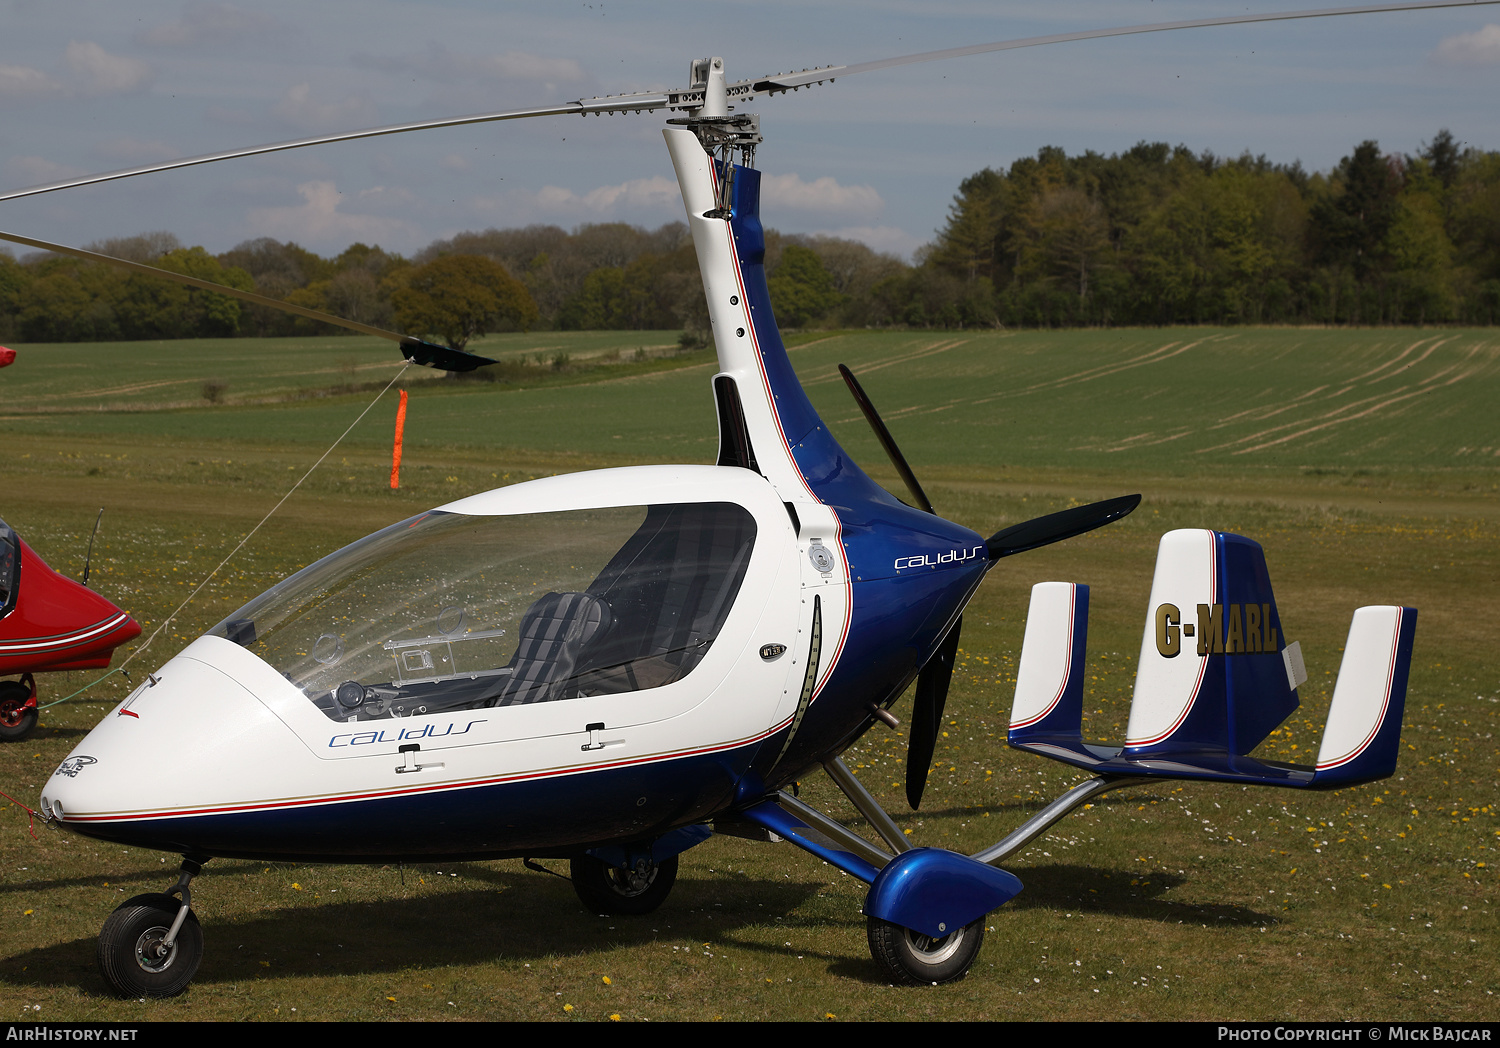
x=1158, y=235
x=1155, y=235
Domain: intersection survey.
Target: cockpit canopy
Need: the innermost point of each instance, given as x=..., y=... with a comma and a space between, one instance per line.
x=10, y=568
x=452, y=610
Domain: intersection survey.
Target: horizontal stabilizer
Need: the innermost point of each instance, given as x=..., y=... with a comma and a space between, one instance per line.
x=1363, y=735
x=1215, y=677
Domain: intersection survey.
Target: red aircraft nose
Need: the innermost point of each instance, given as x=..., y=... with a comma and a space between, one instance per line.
x=7, y=356
x=56, y=624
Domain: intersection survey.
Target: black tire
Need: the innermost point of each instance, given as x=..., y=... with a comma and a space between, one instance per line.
x=911, y=958
x=130, y=940
x=605, y=889
x=15, y=722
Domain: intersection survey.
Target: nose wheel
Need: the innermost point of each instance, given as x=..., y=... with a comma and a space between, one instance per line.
x=152, y=944
x=628, y=891
x=135, y=956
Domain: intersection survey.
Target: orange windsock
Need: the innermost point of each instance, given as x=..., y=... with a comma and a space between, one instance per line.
x=396, y=450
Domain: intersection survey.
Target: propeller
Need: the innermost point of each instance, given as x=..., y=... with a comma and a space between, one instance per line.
x=937, y=673
x=1054, y=527
x=927, y=713
x=414, y=349
x=887, y=442
x=708, y=97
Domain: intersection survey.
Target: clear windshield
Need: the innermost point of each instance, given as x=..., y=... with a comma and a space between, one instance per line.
x=447, y=611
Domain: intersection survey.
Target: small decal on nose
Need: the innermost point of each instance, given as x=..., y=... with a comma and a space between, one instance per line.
x=73, y=765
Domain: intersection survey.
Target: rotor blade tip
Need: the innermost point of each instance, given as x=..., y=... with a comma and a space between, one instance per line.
x=444, y=358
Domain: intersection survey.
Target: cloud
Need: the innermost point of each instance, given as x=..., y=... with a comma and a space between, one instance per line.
x=318, y=218
x=298, y=108
x=885, y=239
x=103, y=73
x=204, y=23
x=136, y=150
x=823, y=196
x=37, y=171
x=93, y=71
x=440, y=64
x=640, y=193
x=26, y=82
x=1481, y=47
x=641, y=197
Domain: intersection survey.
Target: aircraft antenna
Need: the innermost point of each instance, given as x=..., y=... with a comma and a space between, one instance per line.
x=89, y=557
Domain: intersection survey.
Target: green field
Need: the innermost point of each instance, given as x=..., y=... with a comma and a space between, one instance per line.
x=1366, y=462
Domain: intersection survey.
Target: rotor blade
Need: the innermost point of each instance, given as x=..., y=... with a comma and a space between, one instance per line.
x=887, y=442
x=1054, y=527
x=741, y=90
x=444, y=358
x=414, y=349
x=792, y=81
x=583, y=107
x=927, y=714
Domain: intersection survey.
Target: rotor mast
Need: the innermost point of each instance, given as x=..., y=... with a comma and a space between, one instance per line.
x=721, y=134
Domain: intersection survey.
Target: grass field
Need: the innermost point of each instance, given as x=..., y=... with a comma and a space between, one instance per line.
x=1366, y=462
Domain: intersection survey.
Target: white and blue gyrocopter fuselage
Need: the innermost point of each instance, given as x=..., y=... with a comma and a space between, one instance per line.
x=609, y=666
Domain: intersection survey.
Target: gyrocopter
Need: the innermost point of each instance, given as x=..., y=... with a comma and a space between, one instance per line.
x=608, y=667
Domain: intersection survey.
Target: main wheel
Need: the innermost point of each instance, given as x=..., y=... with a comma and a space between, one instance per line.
x=16, y=720
x=606, y=889
x=910, y=957
x=131, y=954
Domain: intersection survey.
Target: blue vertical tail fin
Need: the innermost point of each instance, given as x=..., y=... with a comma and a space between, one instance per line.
x=1212, y=677
x=1363, y=735
x=1048, y=706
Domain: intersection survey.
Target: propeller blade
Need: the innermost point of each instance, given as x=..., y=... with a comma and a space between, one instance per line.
x=887, y=442
x=1054, y=527
x=932, y=682
x=927, y=714
x=414, y=349
x=792, y=81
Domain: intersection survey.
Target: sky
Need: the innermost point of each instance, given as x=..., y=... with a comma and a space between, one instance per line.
x=96, y=85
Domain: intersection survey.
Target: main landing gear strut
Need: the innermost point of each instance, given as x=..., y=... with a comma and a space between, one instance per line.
x=926, y=907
